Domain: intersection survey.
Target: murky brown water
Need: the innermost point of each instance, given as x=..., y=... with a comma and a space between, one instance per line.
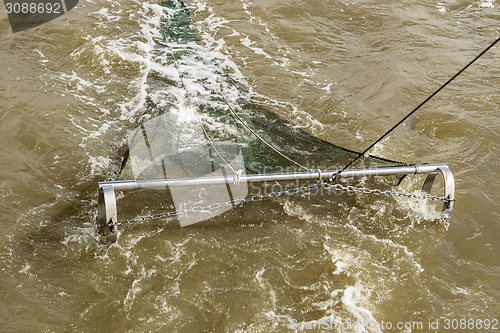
x=72, y=89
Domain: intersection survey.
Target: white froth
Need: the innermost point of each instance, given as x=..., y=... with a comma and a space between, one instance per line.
x=248, y=43
x=351, y=299
x=25, y=269
x=487, y=4
x=441, y=8
x=98, y=163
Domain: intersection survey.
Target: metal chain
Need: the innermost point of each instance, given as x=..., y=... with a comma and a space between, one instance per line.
x=340, y=187
x=199, y=209
x=260, y=197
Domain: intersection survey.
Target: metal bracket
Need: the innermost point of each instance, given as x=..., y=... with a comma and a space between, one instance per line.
x=107, y=214
x=449, y=188
x=107, y=221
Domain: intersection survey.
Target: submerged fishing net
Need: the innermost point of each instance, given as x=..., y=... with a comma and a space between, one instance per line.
x=188, y=130
x=182, y=138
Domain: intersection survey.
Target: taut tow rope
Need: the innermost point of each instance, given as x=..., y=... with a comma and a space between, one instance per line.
x=414, y=110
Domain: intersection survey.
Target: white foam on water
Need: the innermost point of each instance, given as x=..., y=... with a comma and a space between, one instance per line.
x=460, y=291
x=248, y=43
x=340, y=260
x=98, y=163
x=280, y=59
x=441, y=7
x=487, y=4
x=150, y=30
x=94, y=117
x=418, y=210
x=328, y=87
x=136, y=288
x=25, y=269
x=199, y=76
x=376, y=264
x=347, y=261
x=351, y=317
x=353, y=295
x=83, y=236
x=284, y=60
x=43, y=59
x=266, y=286
x=299, y=116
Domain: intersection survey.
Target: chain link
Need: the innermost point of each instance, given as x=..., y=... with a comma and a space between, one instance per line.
x=340, y=187
x=260, y=197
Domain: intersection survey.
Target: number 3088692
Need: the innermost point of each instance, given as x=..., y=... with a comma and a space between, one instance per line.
x=33, y=8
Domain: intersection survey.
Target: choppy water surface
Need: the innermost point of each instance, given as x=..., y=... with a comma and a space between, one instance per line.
x=72, y=90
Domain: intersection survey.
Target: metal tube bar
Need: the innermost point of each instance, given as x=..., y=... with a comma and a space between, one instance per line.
x=107, y=214
x=129, y=185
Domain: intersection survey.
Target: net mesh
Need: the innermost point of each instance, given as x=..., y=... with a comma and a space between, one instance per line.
x=187, y=130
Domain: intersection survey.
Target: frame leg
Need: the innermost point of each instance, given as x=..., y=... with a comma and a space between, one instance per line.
x=449, y=188
x=107, y=214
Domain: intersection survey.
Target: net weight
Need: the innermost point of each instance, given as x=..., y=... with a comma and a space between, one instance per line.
x=33, y=8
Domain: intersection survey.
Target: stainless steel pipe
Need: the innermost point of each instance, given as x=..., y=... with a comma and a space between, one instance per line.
x=107, y=211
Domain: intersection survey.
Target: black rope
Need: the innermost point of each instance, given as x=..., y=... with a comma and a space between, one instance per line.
x=415, y=110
